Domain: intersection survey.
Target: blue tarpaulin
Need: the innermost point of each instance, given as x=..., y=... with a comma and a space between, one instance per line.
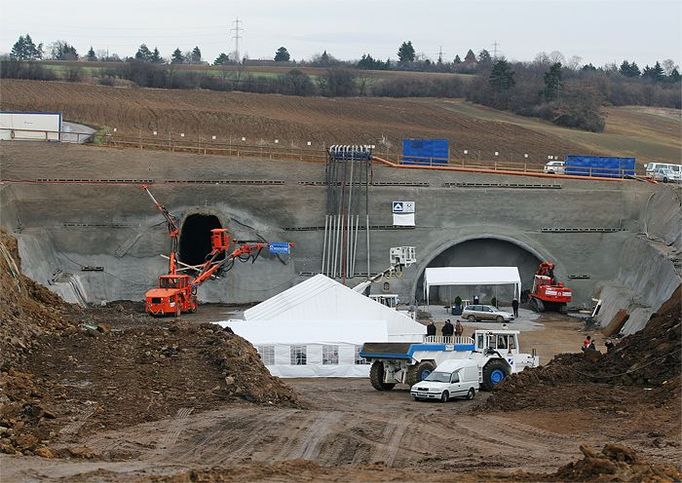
x=425, y=151
x=602, y=166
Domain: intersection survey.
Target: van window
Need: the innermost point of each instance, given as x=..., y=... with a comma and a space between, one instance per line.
x=455, y=377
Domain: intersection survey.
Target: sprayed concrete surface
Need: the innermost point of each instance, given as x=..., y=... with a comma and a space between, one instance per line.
x=632, y=258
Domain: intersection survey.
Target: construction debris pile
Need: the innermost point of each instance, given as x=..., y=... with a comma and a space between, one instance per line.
x=614, y=463
x=61, y=379
x=27, y=309
x=649, y=359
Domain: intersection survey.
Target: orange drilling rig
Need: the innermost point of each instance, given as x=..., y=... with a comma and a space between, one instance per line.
x=547, y=293
x=177, y=292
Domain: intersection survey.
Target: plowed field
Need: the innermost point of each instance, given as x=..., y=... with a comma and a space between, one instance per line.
x=262, y=118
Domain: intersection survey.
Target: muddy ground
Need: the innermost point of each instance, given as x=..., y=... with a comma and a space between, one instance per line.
x=123, y=414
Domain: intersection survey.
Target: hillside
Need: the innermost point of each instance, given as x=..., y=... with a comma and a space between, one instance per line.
x=645, y=133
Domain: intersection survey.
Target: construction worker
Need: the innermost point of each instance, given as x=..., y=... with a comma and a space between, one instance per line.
x=587, y=343
x=431, y=328
x=448, y=329
x=459, y=328
x=515, y=307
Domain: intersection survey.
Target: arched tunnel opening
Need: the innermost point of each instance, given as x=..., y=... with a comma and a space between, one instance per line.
x=481, y=252
x=195, y=238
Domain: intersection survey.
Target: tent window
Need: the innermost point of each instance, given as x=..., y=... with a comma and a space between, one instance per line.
x=299, y=355
x=267, y=354
x=359, y=360
x=330, y=354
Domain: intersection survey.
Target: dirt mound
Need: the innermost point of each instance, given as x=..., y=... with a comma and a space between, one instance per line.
x=650, y=358
x=614, y=463
x=68, y=371
x=27, y=309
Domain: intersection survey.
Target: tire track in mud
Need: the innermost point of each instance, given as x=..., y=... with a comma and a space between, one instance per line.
x=309, y=441
x=177, y=426
x=393, y=435
x=72, y=428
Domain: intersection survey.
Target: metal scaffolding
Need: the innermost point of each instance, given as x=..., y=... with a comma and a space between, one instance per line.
x=348, y=176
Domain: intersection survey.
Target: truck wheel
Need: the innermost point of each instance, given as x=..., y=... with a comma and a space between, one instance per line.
x=563, y=309
x=493, y=373
x=471, y=394
x=419, y=372
x=471, y=318
x=376, y=377
x=444, y=397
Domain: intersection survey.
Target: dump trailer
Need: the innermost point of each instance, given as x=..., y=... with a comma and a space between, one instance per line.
x=496, y=352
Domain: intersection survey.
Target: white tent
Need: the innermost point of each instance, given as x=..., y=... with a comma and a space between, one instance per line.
x=316, y=329
x=472, y=276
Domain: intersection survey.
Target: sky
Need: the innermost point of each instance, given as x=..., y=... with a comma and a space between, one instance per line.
x=599, y=32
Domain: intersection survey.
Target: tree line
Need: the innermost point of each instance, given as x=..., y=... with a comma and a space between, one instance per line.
x=550, y=87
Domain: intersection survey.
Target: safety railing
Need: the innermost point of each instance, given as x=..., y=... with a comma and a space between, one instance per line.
x=214, y=147
x=449, y=340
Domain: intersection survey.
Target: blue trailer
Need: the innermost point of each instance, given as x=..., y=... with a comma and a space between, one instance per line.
x=425, y=151
x=599, y=166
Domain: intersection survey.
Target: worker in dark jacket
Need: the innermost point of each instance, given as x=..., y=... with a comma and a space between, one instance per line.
x=448, y=329
x=459, y=328
x=515, y=307
x=431, y=328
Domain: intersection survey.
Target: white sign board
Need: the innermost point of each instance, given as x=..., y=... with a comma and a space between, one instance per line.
x=403, y=213
x=30, y=126
x=403, y=207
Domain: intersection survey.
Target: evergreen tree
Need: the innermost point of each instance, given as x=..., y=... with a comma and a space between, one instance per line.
x=195, y=57
x=457, y=60
x=282, y=55
x=62, y=50
x=588, y=68
x=654, y=73
x=552, y=82
x=25, y=49
x=674, y=75
x=324, y=59
x=484, y=57
x=91, y=56
x=501, y=77
x=143, y=53
x=177, y=57
x=470, y=58
x=222, y=59
x=406, y=52
x=156, y=57
x=629, y=70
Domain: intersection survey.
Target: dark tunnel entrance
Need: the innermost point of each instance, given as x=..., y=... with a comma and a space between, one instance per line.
x=481, y=252
x=195, y=238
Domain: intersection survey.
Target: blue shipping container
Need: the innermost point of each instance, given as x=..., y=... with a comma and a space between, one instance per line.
x=425, y=151
x=601, y=166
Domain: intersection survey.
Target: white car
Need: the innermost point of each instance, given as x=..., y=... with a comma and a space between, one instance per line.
x=666, y=175
x=452, y=378
x=554, y=167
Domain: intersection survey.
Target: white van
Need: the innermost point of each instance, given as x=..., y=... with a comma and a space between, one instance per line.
x=676, y=169
x=452, y=378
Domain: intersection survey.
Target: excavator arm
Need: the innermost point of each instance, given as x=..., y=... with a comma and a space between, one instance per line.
x=173, y=229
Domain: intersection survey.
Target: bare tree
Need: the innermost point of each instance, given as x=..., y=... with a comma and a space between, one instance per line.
x=573, y=62
x=556, y=56
x=668, y=66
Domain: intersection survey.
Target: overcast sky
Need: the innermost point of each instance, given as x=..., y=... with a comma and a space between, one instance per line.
x=597, y=31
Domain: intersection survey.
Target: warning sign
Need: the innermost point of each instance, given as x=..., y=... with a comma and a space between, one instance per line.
x=403, y=207
x=403, y=213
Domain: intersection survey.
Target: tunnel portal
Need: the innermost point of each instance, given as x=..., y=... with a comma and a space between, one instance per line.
x=481, y=252
x=195, y=238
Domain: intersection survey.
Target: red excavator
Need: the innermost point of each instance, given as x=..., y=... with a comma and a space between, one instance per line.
x=177, y=292
x=547, y=293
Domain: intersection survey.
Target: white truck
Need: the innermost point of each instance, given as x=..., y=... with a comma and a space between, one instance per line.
x=496, y=353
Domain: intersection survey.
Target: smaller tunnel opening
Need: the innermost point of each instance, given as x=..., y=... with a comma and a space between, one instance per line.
x=195, y=238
